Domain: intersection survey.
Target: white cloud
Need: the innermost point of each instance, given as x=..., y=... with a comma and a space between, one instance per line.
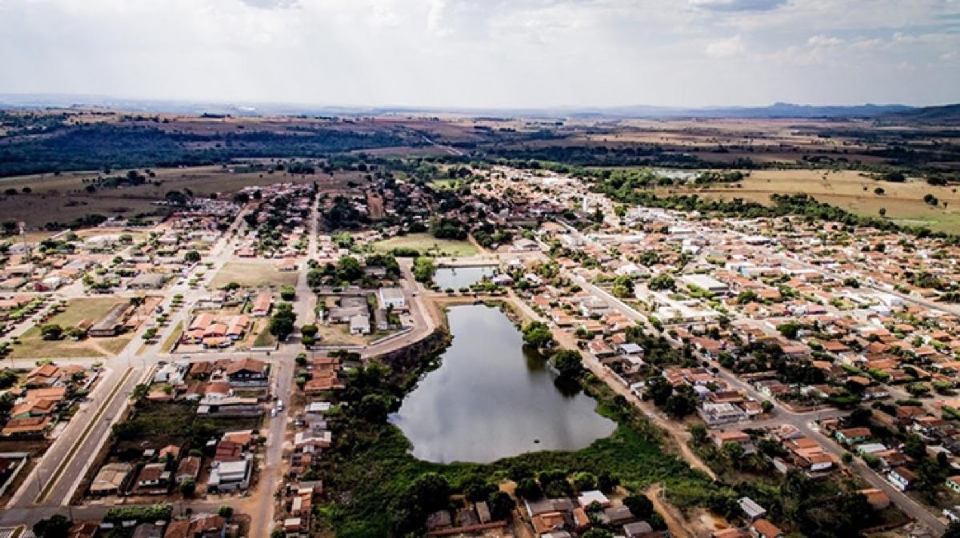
x=825, y=41
x=489, y=53
x=726, y=48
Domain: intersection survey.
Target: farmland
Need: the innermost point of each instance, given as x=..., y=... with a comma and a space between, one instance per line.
x=854, y=191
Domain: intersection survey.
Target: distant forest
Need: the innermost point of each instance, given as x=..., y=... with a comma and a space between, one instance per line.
x=105, y=146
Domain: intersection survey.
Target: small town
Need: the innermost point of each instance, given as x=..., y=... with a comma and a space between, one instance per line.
x=205, y=371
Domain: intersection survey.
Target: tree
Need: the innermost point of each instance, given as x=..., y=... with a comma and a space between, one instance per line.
x=879, y=191
x=640, y=506
x=734, y=452
x=953, y=530
x=622, y=287
x=883, y=212
x=682, y=402
x=597, y=532
x=423, y=270
x=287, y=293
x=584, y=481
x=529, y=489
x=766, y=406
x=188, y=488
x=374, y=408
x=225, y=512
x=699, y=433
x=662, y=282
x=140, y=392
x=431, y=492
x=349, y=269
x=500, y=505
x=192, y=256
x=282, y=321
x=658, y=389
x=51, y=331
x=57, y=526
x=568, y=362
x=790, y=329
x=537, y=334
x=309, y=330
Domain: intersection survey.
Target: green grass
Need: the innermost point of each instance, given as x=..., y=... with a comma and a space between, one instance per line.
x=427, y=245
x=172, y=339
x=265, y=339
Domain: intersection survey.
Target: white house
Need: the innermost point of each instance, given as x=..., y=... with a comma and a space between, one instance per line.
x=393, y=297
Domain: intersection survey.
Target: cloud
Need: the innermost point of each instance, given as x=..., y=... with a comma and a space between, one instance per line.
x=270, y=4
x=738, y=5
x=825, y=41
x=726, y=48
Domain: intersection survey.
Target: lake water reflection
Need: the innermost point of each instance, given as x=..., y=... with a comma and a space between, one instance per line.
x=489, y=399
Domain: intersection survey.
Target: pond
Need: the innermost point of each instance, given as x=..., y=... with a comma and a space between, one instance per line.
x=489, y=399
x=461, y=277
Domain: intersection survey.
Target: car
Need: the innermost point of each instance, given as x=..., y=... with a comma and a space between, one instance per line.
x=273, y=413
x=279, y=405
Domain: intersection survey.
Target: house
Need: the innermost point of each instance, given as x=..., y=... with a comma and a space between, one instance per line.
x=852, y=436
x=751, y=509
x=721, y=438
x=111, y=479
x=876, y=497
x=902, y=478
x=153, y=477
x=587, y=498
x=246, y=370
x=148, y=281
x=762, y=528
x=360, y=324
x=260, y=307
x=393, y=298
x=953, y=483
x=639, y=529
x=729, y=533
x=188, y=468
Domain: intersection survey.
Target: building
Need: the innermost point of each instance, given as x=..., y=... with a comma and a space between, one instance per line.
x=762, y=528
x=360, y=324
x=902, y=478
x=111, y=479
x=393, y=298
x=751, y=509
x=706, y=283
x=110, y=324
x=148, y=281
x=226, y=476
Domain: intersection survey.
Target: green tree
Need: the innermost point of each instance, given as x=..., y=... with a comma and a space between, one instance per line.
x=57, y=526
x=639, y=505
x=282, y=321
x=51, y=331
x=529, y=489
x=622, y=287
x=699, y=433
x=500, y=505
x=537, y=334
x=597, y=532
x=188, y=488
x=662, y=282
x=953, y=530
x=192, y=256
x=349, y=269
x=568, y=362
x=790, y=329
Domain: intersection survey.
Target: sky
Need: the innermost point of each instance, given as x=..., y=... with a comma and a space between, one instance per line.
x=486, y=53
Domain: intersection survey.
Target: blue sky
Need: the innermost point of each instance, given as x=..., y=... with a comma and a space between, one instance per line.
x=487, y=53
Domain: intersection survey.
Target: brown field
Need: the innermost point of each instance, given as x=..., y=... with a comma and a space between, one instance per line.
x=32, y=346
x=62, y=198
x=254, y=275
x=849, y=190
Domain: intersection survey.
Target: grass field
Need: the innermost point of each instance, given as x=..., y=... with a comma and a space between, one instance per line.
x=253, y=275
x=427, y=245
x=850, y=190
x=32, y=346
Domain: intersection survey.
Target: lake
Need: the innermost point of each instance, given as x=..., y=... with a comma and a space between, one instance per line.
x=461, y=277
x=489, y=399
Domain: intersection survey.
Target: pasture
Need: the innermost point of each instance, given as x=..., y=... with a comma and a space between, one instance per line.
x=428, y=245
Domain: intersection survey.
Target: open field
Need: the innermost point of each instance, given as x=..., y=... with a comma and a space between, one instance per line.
x=33, y=346
x=62, y=197
x=427, y=245
x=253, y=275
x=850, y=190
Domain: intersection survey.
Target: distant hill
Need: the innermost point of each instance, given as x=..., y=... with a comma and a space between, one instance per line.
x=940, y=115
